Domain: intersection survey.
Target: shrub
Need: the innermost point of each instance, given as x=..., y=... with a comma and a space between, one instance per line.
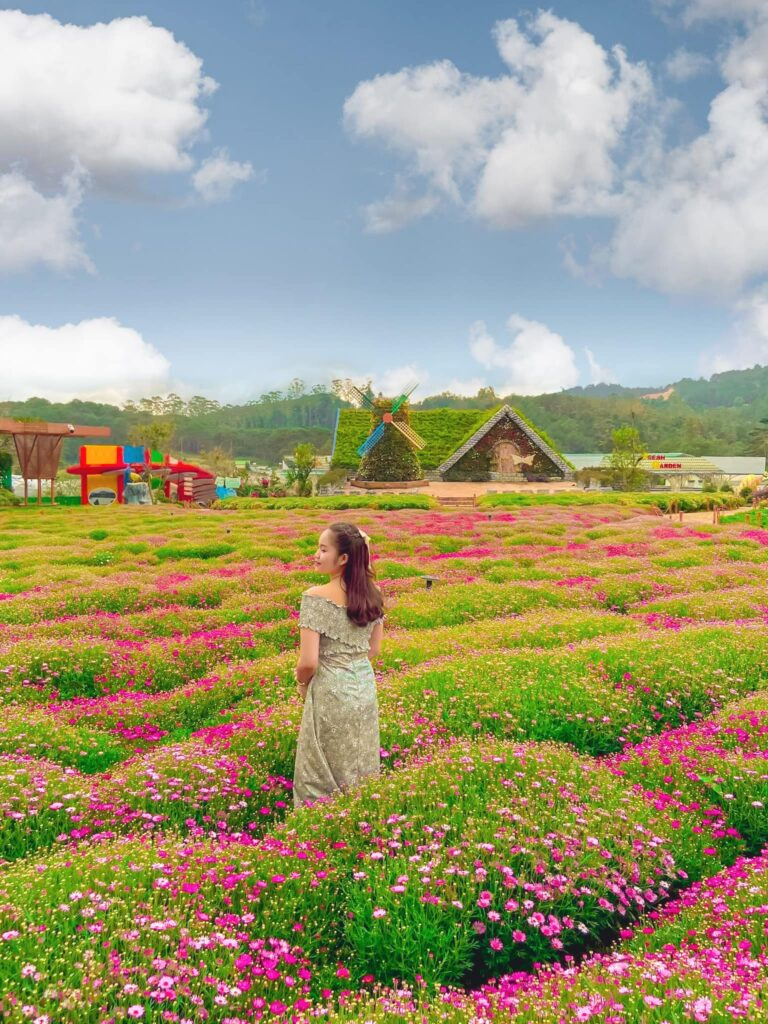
x=178, y=551
x=335, y=502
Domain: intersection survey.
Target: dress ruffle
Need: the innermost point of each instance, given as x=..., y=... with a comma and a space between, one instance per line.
x=331, y=620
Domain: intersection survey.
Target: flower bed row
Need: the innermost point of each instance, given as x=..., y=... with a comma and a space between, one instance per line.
x=447, y=870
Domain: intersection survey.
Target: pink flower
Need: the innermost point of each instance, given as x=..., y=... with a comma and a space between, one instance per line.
x=496, y=944
x=518, y=936
x=136, y=1011
x=379, y=912
x=702, y=1008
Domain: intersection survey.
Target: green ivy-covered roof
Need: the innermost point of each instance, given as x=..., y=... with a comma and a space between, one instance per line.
x=443, y=430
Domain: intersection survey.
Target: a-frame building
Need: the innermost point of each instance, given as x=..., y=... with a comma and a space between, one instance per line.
x=505, y=447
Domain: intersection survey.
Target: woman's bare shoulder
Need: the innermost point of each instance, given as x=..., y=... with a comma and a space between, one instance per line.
x=328, y=591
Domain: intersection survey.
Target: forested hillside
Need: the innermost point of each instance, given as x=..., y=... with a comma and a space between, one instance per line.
x=720, y=416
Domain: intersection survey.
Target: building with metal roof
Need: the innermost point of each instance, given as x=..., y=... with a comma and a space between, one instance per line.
x=679, y=471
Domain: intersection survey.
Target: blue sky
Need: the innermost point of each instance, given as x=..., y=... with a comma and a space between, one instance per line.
x=461, y=193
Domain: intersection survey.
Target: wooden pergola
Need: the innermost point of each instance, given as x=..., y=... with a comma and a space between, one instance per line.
x=38, y=448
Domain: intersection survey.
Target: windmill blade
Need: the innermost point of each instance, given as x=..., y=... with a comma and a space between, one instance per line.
x=351, y=393
x=404, y=397
x=371, y=440
x=360, y=398
x=345, y=390
x=410, y=434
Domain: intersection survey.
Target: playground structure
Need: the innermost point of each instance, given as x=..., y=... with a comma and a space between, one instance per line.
x=38, y=449
x=123, y=474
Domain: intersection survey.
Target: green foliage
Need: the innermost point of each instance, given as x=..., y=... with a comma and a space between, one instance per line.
x=703, y=417
x=333, y=478
x=689, y=502
x=304, y=458
x=6, y=464
x=475, y=466
x=204, y=551
x=755, y=517
x=442, y=433
x=443, y=430
x=393, y=457
x=624, y=461
x=154, y=434
x=8, y=497
x=338, y=502
x=264, y=431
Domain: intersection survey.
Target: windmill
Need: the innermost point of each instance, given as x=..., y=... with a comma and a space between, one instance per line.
x=351, y=393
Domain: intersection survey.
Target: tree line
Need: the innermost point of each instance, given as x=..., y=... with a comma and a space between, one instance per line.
x=727, y=415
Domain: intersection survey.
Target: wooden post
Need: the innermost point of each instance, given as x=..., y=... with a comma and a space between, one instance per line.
x=680, y=512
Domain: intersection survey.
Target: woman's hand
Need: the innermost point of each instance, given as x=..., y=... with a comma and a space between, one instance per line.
x=301, y=688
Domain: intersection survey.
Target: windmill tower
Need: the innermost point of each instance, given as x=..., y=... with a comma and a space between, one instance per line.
x=389, y=453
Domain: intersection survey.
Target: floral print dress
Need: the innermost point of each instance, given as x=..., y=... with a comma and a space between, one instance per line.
x=339, y=737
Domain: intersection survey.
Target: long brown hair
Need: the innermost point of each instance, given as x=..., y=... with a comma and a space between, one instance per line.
x=364, y=601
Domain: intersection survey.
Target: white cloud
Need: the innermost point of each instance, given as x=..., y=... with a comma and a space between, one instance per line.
x=537, y=141
x=560, y=134
x=702, y=10
x=598, y=374
x=120, y=97
x=97, y=359
x=468, y=388
x=699, y=221
x=747, y=343
x=397, y=210
x=393, y=382
x=218, y=175
x=536, y=361
x=35, y=228
x=684, y=65
x=116, y=102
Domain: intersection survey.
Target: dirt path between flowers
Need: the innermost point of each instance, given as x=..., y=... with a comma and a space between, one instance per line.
x=706, y=517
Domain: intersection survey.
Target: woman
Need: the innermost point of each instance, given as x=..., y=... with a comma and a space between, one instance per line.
x=341, y=629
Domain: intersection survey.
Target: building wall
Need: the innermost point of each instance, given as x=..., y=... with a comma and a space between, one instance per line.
x=477, y=464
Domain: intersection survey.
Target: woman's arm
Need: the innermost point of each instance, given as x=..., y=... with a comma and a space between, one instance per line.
x=308, y=656
x=376, y=635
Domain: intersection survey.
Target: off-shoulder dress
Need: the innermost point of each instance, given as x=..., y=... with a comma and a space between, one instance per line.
x=339, y=737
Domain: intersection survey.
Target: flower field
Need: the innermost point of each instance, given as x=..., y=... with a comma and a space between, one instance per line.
x=570, y=823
